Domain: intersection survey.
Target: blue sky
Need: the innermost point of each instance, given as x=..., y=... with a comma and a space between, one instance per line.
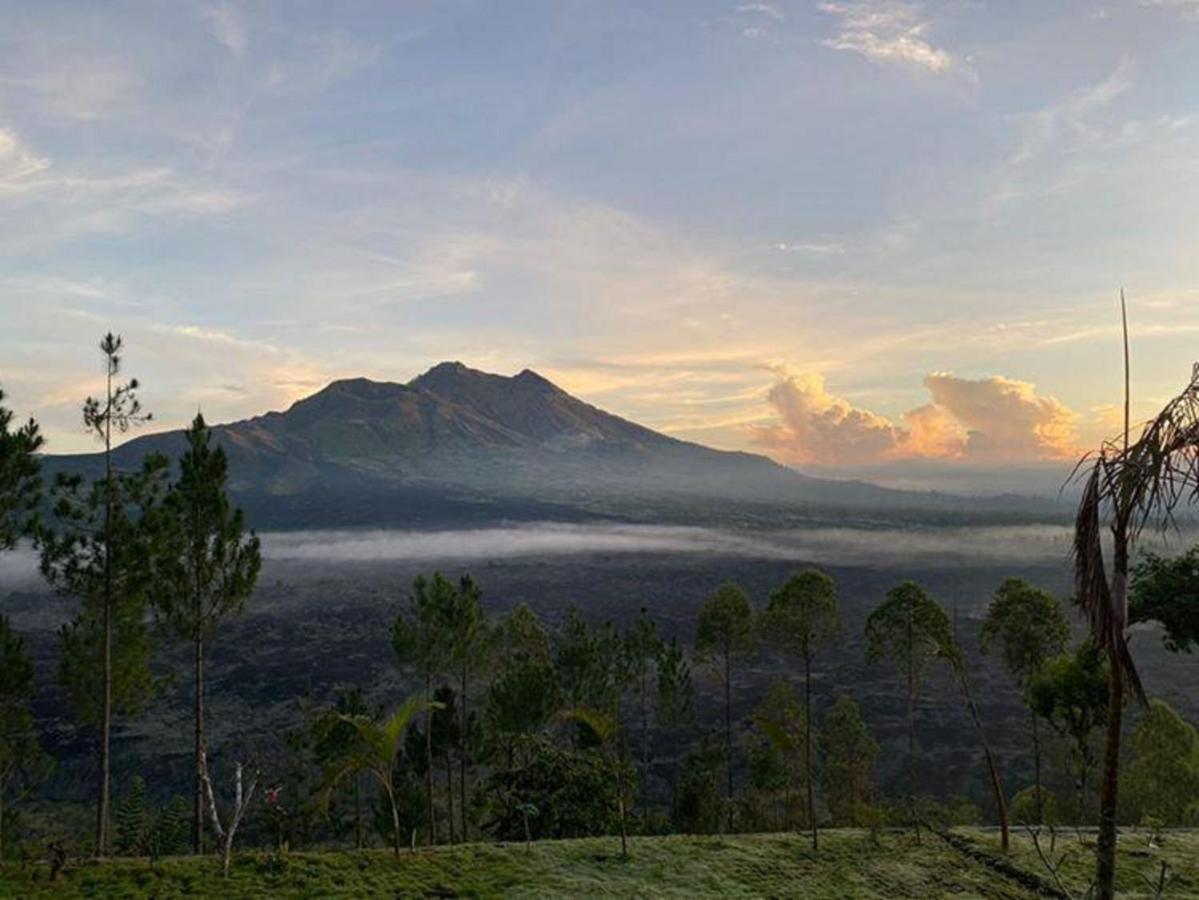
x=877, y=238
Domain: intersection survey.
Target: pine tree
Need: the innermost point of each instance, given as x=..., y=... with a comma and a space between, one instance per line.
x=207, y=570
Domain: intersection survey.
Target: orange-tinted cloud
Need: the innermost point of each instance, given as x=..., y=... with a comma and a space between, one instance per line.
x=1004, y=418
x=988, y=419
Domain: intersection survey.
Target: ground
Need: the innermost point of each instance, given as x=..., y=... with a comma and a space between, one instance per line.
x=849, y=864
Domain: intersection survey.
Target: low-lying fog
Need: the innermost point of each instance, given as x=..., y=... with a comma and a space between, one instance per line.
x=890, y=547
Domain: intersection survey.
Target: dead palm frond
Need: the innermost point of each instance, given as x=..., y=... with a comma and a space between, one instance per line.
x=1137, y=484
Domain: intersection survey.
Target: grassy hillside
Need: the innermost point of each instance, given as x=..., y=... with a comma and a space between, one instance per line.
x=849, y=864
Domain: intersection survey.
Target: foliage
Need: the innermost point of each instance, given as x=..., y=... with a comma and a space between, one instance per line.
x=22, y=762
x=1166, y=590
x=376, y=751
x=1070, y=692
x=1028, y=625
x=909, y=629
x=20, y=480
x=573, y=791
x=208, y=565
x=1161, y=776
x=802, y=614
x=849, y=754
x=725, y=630
x=778, y=749
x=144, y=830
x=697, y=803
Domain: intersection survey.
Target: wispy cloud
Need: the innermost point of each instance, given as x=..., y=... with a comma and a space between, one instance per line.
x=889, y=32
x=228, y=27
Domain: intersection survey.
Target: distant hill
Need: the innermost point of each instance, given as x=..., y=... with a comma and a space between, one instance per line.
x=456, y=443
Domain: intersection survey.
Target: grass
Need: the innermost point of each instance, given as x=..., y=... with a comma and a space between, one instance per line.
x=849, y=864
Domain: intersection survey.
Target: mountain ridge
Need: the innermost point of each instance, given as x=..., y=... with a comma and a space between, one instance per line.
x=456, y=435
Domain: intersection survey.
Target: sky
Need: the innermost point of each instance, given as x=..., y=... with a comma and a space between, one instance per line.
x=870, y=239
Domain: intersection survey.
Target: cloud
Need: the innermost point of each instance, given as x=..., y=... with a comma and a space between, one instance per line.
x=888, y=32
x=227, y=27
x=992, y=419
x=818, y=427
x=1072, y=117
x=1188, y=9
x=769, y=10
x=18, y=162
x=1004, y=418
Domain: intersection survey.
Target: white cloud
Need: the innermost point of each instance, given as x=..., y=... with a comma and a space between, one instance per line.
x=885, y=31
x=18, y=162
x=769, y=10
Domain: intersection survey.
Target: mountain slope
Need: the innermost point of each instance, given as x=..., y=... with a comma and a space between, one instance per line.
x=455, y=439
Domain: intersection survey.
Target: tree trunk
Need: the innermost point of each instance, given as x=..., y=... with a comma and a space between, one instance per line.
x=106, y=671
x=728, y=733
x=1036, y=762
x=358, y=812
x=395, y=824
x=449, y=788
x=912, y=731
x=462, y=753
x=624, y=840
x=429, y=761
x=105, y=738
x=1105, y=869
x=198, y=819
x=807, y=676
x=992, y=771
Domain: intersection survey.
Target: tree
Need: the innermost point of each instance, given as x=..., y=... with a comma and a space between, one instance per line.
x=524, y=694
x=20, y=479
x=607, y=734
x=802, y=615
x=206, y=572
x=20, y=749
x=910, y=630
x=676, y=698
x=1070, y=692
x=781, y=758
x=469, y=644
x=643, y=647
x=103, y=556
x=1029, y=625
x=849, y=754
x=117, y=411
x=953, y=653
x=243, y=796
x=1166, y=590
x=552, y=792
x=377, y=752
x=1162, y=773
x=1127, y=485
x=422, y=639
x=335, y=737
x=724, y=635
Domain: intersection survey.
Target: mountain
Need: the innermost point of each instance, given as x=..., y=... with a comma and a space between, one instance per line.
x=456, y=443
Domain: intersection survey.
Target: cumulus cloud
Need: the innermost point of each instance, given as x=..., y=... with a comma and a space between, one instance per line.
x=887, y=32
x=992, y=419
x=818, y=427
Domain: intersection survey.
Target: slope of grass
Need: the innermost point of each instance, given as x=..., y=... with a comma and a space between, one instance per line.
x=849, y=864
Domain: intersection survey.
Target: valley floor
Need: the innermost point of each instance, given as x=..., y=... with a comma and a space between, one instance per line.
x=850, y=864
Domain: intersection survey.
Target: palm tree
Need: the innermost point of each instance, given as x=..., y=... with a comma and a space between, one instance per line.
x=1126, y=486
x=377, y=750
x=607, y=731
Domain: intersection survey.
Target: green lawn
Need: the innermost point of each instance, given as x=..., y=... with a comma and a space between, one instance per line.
x=849, y=864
